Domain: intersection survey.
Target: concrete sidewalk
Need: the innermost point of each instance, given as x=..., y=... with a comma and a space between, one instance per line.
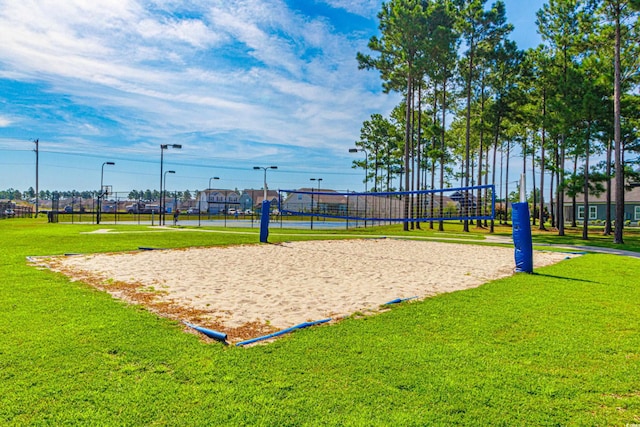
x=575, y=248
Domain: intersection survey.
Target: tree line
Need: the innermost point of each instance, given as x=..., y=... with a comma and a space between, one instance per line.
x=145, y=195
x=472, y=100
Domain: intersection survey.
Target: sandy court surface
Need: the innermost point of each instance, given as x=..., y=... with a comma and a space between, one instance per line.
x=249, y=290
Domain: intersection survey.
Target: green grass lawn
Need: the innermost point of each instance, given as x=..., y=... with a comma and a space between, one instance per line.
x=559, y=347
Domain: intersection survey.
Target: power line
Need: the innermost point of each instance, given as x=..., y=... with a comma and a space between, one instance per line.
x=193, y=165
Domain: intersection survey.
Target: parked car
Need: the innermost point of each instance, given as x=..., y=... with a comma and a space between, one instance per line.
x=232, y=211
x=9, y=213
x=248, y=212
x=193, y=211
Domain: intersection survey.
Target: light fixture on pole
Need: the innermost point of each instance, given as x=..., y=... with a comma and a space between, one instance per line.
x=318, y=203
x=162, y=148
x=101, y=194
x=366, y=177
x=265, y=177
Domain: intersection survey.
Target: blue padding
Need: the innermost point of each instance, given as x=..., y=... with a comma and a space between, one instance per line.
x=220, y=336
x=283, y=331
x=264, y=221
x=522, y=238
x=399, y=300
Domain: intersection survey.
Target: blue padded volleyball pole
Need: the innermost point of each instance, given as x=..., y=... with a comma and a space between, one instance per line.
x=522, y=237
x=264, y=221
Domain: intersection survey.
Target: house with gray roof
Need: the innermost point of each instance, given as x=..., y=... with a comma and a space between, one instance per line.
x=598, y=205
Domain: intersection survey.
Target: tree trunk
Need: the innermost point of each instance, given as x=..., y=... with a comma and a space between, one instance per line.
x=542, y=165
x=574, y=208
x=388, y=162
x=468, y=131
x=585, y=224
x=506, y=187
x=407, y=141
x=607, y=221
x=469, y=193
x=412, y=149
x=552, y=205
x=480, y=152
x=493, y=168
x=560, y=219
x=442, y=150
x=541, y=215
x=433, y=160
x=486, y=183
x=616, y=135
x=524, y=168
x=533, y=174
x=504, y=199
x=561, y=179
x=419, y=155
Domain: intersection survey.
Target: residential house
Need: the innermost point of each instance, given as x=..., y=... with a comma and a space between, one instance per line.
x=438, y=206
x=598, y=205
x=216, y=201
x=252, y=199
x=317, y=201
x=464, y=199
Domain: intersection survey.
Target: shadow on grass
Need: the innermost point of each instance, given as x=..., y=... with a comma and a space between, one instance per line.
x=552, y=276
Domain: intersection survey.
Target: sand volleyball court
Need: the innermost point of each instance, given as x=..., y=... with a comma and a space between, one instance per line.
x=251, y=290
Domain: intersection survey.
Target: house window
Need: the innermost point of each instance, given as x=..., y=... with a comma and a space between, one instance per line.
x=637, y=213
x=593, y=212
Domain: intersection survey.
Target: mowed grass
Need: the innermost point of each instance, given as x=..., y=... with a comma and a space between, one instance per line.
x=559, y=347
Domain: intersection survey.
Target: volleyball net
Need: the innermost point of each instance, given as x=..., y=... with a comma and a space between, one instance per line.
x=463, y=203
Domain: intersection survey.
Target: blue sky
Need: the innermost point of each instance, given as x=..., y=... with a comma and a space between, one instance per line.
x=239, y=83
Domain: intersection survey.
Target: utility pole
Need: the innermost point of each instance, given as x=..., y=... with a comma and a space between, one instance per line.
x=37, y=194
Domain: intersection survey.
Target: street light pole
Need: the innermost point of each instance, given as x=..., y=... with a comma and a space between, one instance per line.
x=265, y=178
x=37, y=195
x=162, y=193
x=318, y=203
x=366, y=177
x=209, y=197
x=211, y=179
x=162, y=148
x=101, y=193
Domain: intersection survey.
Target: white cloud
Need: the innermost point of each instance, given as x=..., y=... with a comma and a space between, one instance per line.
x=366, y=8
x=248, y=72
x=191, y=31
x=261, y=28
x=5, y=121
